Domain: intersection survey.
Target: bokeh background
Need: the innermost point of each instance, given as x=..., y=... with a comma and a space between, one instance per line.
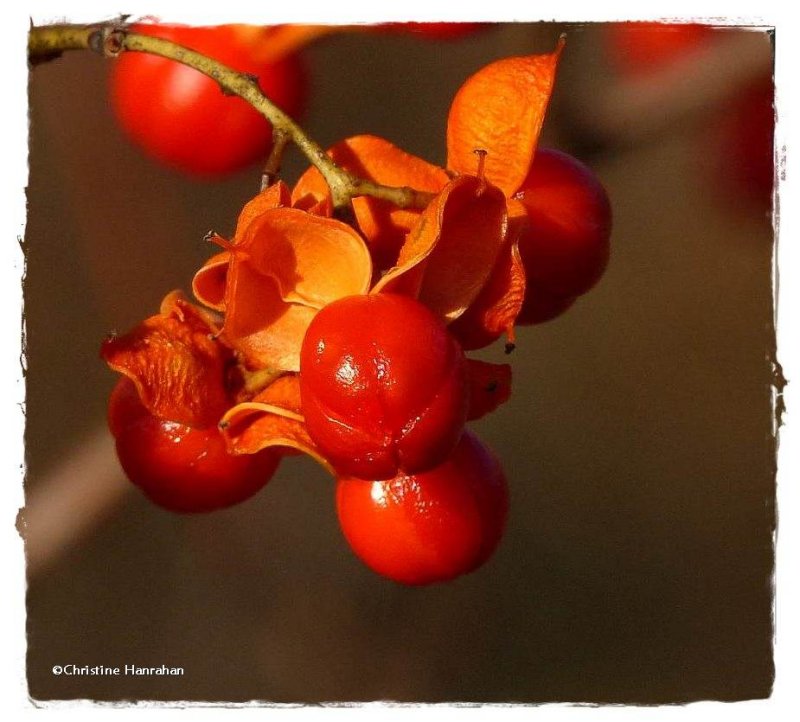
x=639, y=446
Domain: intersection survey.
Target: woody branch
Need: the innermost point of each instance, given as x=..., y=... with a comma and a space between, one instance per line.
x=112, y=39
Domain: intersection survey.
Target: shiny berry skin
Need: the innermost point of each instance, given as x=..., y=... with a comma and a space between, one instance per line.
x=432, y=526
x=382, y=386
x=181, y=468
x=565, y=244
x=181, y=117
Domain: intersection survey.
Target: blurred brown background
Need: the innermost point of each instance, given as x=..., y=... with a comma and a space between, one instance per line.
x=638, y=443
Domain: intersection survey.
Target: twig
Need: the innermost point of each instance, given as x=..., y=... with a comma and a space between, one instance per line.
x=273, y=165
x=112, y=39
x=71, y=500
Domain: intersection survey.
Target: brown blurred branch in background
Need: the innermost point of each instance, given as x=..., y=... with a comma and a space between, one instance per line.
x=70, y=501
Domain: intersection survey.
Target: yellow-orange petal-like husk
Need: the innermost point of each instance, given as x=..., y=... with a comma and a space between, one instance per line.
x=373, y=158
x=286, y=266
x=496, y=308
x=266, y=330
x=322, y=207
x=500, y=109
x=208, y=284
x=274, y=196
x=449, y=254
x=271, y=419
x=489, y=387
x=175, y=362
x=314, y=260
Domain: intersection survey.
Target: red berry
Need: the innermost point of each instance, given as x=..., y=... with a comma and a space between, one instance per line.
x=432, y=526
x=181, y=468
x=565, y=244
x=642, y=48
x=383, y=386
x=181, y=117
x=541, y=306
x=744, y=133
x=435, y=31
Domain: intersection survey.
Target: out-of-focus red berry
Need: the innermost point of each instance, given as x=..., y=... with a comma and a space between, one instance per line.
x=181, y=118
x=745, y=136
x=435, y=31
x=642, y=48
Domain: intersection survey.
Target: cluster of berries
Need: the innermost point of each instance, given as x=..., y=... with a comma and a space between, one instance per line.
x=345, y=341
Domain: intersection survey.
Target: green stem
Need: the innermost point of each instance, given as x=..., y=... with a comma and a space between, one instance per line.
x=111, y=39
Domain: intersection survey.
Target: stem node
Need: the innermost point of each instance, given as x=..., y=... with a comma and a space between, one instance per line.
x=112, y=42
